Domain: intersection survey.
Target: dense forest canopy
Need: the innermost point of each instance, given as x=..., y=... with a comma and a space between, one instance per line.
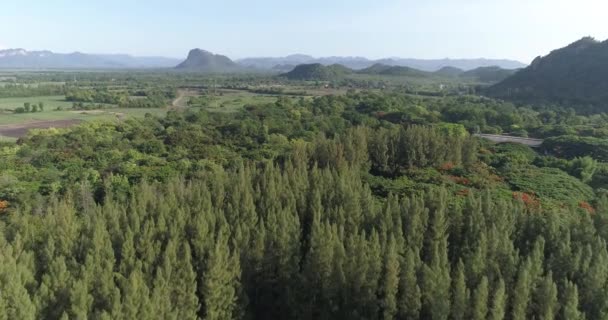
x=363, y=205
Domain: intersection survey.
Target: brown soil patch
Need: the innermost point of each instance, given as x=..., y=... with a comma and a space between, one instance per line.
x=88, y=111
x=20, y=130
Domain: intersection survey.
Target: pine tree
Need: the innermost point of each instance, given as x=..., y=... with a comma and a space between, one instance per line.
x=460, y=293
x=436, y=285
x=54, y=293
x=480, y=300
x=390, y=285
x=410, y=295
x=220, y=282
x=81, y=301
x=135, y=298
x=499, y=303
x=546, y=298
x=570, y=309
x=521, y=293
x=14, y=296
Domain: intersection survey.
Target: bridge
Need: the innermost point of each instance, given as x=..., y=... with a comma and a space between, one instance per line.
x=533, y=143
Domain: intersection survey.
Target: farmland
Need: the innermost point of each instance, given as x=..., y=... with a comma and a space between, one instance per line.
x=118, y=97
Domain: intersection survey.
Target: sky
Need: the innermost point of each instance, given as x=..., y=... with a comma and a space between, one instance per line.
x=428, y=29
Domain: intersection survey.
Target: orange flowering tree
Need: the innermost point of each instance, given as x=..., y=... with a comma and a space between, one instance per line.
x=3, y=205
x=586, y=206
x=530, y=200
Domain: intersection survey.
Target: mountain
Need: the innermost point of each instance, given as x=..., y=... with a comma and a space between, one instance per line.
x=317, y=71
x=387, y=70
x=270, y=63
x=574, y=75
x=449, y=72
x=464, y=64
x=208, y=62
x=23, y=59
x=358, y=63
x=488, y=74
x=283, y=67
x=204, y=61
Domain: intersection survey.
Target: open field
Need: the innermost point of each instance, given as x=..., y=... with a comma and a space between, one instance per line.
x=50, y=102
x=89, y=115
x=17, y=125
x=20, y=130
x=227, y=100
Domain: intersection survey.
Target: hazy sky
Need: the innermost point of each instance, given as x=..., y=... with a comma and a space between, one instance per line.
x=517, y=29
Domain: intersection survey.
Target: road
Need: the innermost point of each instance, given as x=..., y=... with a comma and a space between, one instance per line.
x=534, y=143
x=181, y=100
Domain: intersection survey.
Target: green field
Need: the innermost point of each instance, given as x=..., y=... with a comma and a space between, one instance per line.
x=234, y=100
x=106, y=114
x=50, y=102
x=7, y=139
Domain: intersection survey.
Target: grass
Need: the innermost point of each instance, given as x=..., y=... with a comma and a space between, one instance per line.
x=50, y=102
x=7, y=139
x=235, y=100
x=105, y=114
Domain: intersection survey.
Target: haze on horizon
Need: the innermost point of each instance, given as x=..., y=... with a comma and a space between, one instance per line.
x=510, y=29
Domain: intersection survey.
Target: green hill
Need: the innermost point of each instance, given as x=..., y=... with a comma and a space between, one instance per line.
x=317, y=71
x=386, y=70
x=576, y=75
x=488, y=74
x=449, y=72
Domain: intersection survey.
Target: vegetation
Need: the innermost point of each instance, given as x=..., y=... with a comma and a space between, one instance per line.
x=488, y=74
x=317, y=72
x=336, y=72
x=300, y=201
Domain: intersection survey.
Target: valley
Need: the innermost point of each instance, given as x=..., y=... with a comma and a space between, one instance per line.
x=333, y=188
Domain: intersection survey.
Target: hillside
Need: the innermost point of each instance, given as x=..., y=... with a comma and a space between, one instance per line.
x=386, y=70
x=204, y=61
x=24, y=59
x=449, y=72
x=317, y=71
x=573, y=75
x=488, y=74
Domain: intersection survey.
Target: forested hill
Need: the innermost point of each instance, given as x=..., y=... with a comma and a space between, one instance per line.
x=382, y=69
x=320, y=72
x=317, y=71
x=574, y=75
x=488, y=74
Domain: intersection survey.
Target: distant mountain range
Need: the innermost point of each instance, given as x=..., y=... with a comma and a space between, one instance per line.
x=576, y=75
x=358, y=63
x=209, y=62
x=23, y=59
